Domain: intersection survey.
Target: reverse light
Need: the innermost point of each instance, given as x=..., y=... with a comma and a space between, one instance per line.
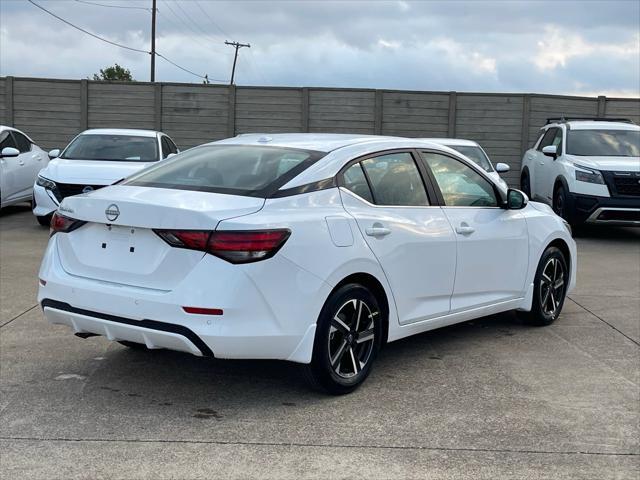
x=60, y=223
x=238, y=246
x=589, y=176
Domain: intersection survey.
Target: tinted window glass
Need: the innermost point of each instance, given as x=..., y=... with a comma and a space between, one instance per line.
x=548, y=138
x=6, y=140
x=126, y=148
x=355, y=181
x=24, y=145
x=172, y=146
x=606, y=143
x=474, y=153
x=244, y=170
x=461, y=186
x=395, y=180
x=166, y=148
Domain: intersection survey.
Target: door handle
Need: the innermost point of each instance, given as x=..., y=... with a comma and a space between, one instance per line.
x=465, y=229
x=377, y=231
x=36, y=157
x=20, y=162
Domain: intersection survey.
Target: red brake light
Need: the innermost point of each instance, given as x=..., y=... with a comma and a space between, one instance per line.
x=60, y=223
x=233, y=246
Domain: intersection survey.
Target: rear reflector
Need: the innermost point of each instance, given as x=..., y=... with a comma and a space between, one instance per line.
x=203, y=311
x=60, y=223
x=236, y=246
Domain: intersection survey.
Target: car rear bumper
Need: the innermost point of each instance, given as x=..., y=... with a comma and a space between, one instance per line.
x=261, y=319
x=605, y=210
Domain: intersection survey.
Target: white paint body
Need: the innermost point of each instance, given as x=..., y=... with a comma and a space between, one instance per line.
x=95, y=173
x=17, y=174
x=431, y=275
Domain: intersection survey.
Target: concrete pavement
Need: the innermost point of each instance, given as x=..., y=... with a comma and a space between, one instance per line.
x=490, y=398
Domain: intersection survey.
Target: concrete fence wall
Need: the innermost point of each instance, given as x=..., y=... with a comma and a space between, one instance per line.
x=53, y=111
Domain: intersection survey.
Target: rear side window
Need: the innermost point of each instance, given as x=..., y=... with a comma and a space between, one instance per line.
x=24, y=145
x=234, y=169
x=395, y=180
x=356, y=182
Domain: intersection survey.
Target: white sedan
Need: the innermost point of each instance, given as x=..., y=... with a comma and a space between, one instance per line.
x=312, y=248
x=475, y=152
x=94, y=159
x=20, y=161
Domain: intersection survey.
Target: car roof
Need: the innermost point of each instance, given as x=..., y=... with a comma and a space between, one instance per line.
x=321, y=142
x=462, y=142
x=121, y=131
x=596, y=125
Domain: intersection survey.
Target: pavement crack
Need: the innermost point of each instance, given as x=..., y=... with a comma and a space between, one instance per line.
x=327, y=445
x=18, y=316
x=604, y=321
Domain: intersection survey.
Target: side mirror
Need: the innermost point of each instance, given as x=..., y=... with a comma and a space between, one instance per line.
x=171, y=155
x=55, y=153
x=9, y=152
x=516, y=200
x=502, y=168
x=550, y=151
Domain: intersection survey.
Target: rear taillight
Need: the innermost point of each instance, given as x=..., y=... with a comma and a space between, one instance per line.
x=60, y=223
x=233, y=246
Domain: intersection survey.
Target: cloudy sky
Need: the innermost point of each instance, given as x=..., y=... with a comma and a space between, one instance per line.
x=565, y=47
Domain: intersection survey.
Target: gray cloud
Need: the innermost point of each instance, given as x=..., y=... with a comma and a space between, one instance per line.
x=540, y=46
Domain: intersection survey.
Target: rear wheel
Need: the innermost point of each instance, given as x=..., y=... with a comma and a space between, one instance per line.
x=550, y=288
x=348, y=338
x=45, y=220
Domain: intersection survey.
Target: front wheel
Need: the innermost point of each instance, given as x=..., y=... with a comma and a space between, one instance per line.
x=44, y=220
x=525, y=185
x=550, y=288
x=348, y=338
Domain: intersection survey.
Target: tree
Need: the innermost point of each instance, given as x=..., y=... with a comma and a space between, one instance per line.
x=114, y=73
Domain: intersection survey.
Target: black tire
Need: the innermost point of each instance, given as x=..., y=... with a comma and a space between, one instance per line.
x=45, y=221
x=525, y=184
x=352, y=340
x=560, y=205
x=133, y=345
x=548, y=290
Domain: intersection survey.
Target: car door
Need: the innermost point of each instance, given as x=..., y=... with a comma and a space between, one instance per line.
x=9, y=168
x=411, y=239
x=30, y=162
x=542, y=181
x=492, y=242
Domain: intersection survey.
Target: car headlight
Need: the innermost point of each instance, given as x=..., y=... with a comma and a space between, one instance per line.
x=589, y=176
x=46, y=183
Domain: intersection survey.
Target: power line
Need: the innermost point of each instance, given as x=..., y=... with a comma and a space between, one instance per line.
x=196, y=39
x=118, y=44
x=190, y=19
x=211, y=19
x=85, y=31
x=96, y=4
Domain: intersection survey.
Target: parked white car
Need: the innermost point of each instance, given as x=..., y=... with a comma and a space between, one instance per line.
x=475, y=152
x=94, y=159
x=587, y=170
x=312, y=248
x=20, y=161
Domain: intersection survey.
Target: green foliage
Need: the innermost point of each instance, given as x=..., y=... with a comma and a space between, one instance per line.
x=116, y=72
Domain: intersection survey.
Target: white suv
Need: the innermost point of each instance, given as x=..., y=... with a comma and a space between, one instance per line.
x=588, y=170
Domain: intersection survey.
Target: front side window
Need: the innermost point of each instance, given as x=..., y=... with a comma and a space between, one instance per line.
x=553, y=136
x=6, y=140
x=166, y=148
x=124, y=148
x=395, y=180
x=476, y=154
x=605, y=143
x=234, y=169
x=460, y=185
x=24, y=145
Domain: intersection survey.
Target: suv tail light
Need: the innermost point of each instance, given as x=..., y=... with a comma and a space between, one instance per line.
x=60, y=223
x=237, y=246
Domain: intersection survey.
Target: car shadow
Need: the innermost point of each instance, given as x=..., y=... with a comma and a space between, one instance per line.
x=623, y=234
x=15, y=209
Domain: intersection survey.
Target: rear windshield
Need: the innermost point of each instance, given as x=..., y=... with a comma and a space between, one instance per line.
x=604, y=143
x=235, y=169
x=123, y=148
x=474, y=153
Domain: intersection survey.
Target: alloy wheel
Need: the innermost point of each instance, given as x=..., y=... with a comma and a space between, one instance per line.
x=351, y=338
x=552, y=287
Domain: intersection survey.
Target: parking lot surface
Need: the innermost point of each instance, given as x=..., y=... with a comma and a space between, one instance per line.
x=491, y=398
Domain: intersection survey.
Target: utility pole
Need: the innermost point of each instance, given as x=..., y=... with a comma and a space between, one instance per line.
x=153, y=41
x=235, y=59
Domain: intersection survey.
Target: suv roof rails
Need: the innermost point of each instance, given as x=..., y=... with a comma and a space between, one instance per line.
x=592, y=119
